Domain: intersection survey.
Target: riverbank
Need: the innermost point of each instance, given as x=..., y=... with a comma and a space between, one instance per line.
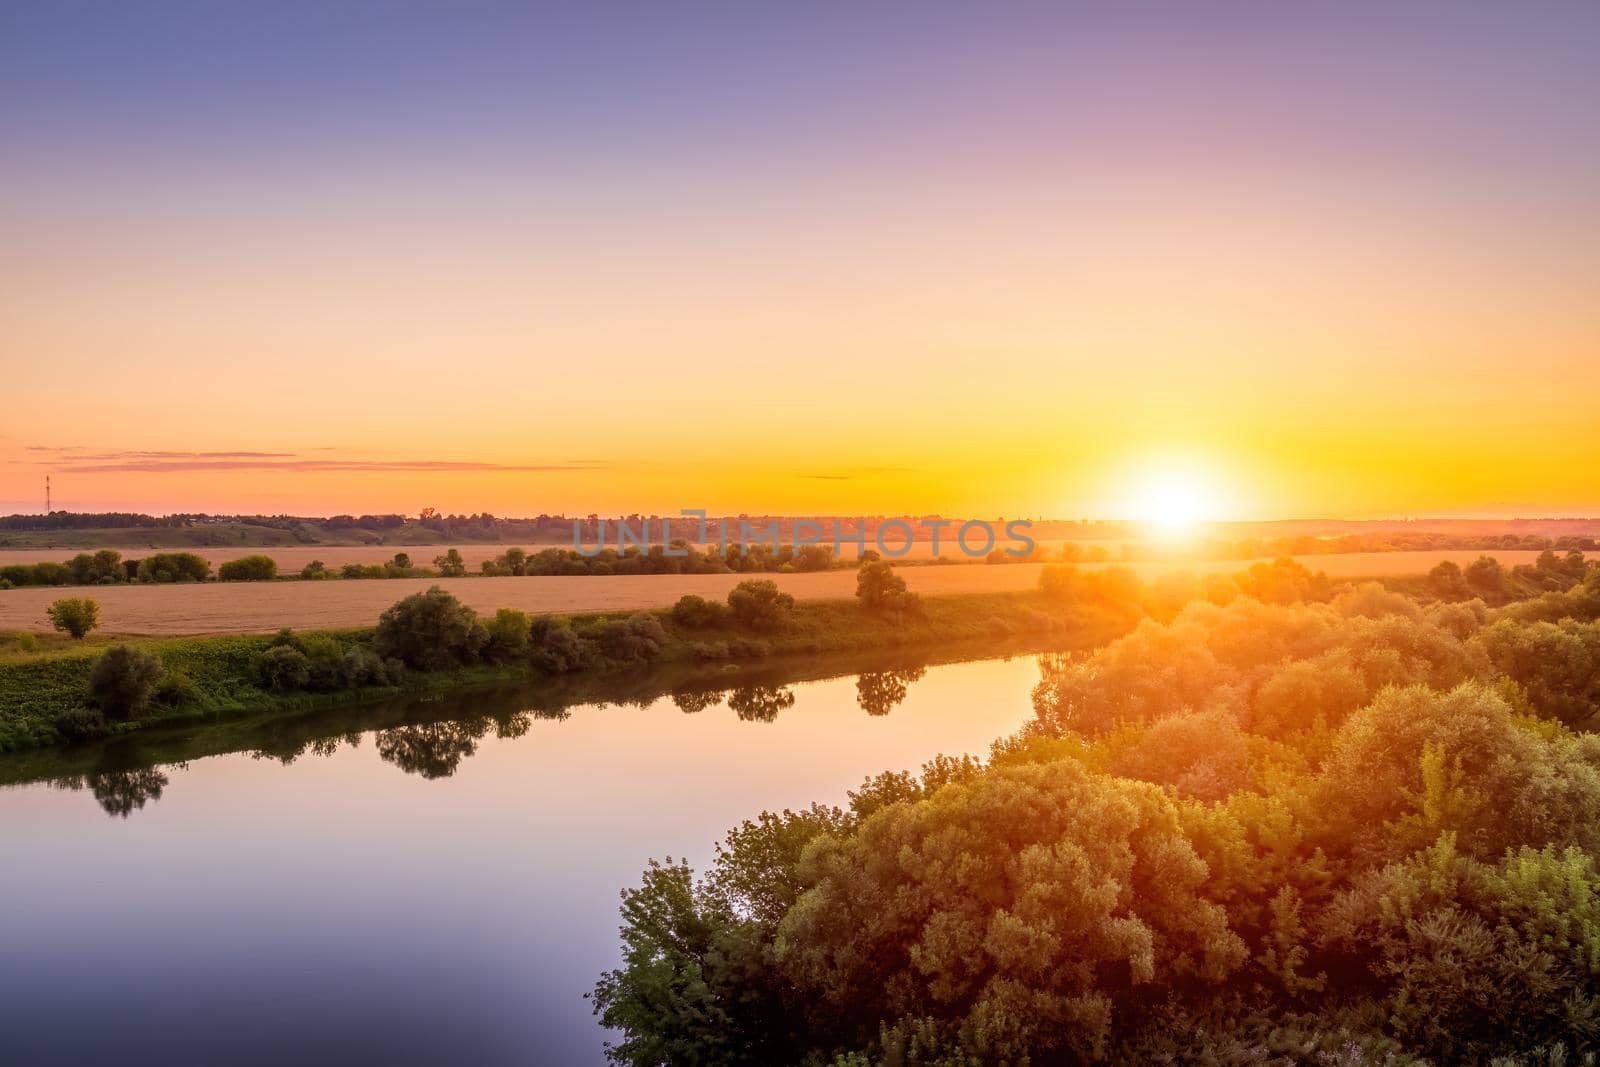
x=505, y=707
x=214, y=678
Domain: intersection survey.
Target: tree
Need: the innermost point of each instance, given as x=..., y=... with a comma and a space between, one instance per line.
x=430, y=631
x=1485, y=575
x=760, y=605
x=450, y=565
x=883, y=592
x=123, y=680
x=75, y=616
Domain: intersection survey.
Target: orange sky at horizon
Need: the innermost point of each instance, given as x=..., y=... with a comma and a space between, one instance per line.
x=1366, y=290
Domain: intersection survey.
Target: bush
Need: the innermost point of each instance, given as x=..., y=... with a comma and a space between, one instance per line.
x=173, y=567
x=248, y=569
x=362, y=666
x=883, y=592
x=450, y=564
x=81, y=724
x=638, y=637
x=75, y=616
x=325, y=658
x=760, y=605
x=813, y=558
x=123, y=681
x=554, y=648
x=430, y=631
x=697, y=612
x=508, y=636
x=315, y=571
x=283, y=668
x=176, y=690
x=103, y=567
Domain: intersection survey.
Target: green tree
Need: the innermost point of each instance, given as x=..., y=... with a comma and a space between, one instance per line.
x=760, y=605
x=430, y=631
x=123, y=680
x=883, y=592
x=75, y=616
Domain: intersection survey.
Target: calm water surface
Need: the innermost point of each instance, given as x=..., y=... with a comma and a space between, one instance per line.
x=433, y=893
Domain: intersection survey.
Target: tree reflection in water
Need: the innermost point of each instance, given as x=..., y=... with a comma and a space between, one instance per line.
x=690, y=702
x=120, y=791
x=760, y=703
x=879, y=692
x=433, y=750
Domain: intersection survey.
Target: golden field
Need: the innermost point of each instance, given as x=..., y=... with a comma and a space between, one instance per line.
x=250, y=607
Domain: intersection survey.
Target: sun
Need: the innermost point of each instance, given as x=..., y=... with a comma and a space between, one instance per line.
x=1173, y=503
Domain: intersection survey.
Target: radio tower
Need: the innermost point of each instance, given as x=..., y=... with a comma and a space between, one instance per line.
x=47, y=495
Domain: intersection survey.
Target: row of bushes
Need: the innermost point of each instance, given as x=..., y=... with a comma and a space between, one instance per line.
x=107, y=567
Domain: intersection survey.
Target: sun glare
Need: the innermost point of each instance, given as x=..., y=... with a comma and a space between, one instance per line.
x=1173, y=503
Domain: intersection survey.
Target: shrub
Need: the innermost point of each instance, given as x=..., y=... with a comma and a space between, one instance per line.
x=123, y=680
x=75, y=616
x=697, y=612
x=248, y=569
x=81, y=724
x=508, y=636
x=176, y=690
x=315, y=571
x=173, y=567
x=430, y=631
x=104, y=566
x=325, y=658
x=362, y=666
x=553, y=647
x=283, y=667
x=748, y=648
x=813, y=558
x=760, y=605
x=883, y=592
x=450, y=565
x=51, y=574
x=638, y=637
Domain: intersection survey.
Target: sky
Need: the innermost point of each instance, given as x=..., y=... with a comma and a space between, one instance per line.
x=1309, y=260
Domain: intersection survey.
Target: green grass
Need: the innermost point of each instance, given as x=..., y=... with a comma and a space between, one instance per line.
x=37, y=687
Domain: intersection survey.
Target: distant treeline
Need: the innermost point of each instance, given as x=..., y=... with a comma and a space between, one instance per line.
x=483, y=526
x=105, y=520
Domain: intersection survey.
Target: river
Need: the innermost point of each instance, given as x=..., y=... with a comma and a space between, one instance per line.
x=422, y=882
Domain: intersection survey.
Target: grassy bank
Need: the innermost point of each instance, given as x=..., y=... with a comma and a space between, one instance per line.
x=500, y=707
x=209, y=678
